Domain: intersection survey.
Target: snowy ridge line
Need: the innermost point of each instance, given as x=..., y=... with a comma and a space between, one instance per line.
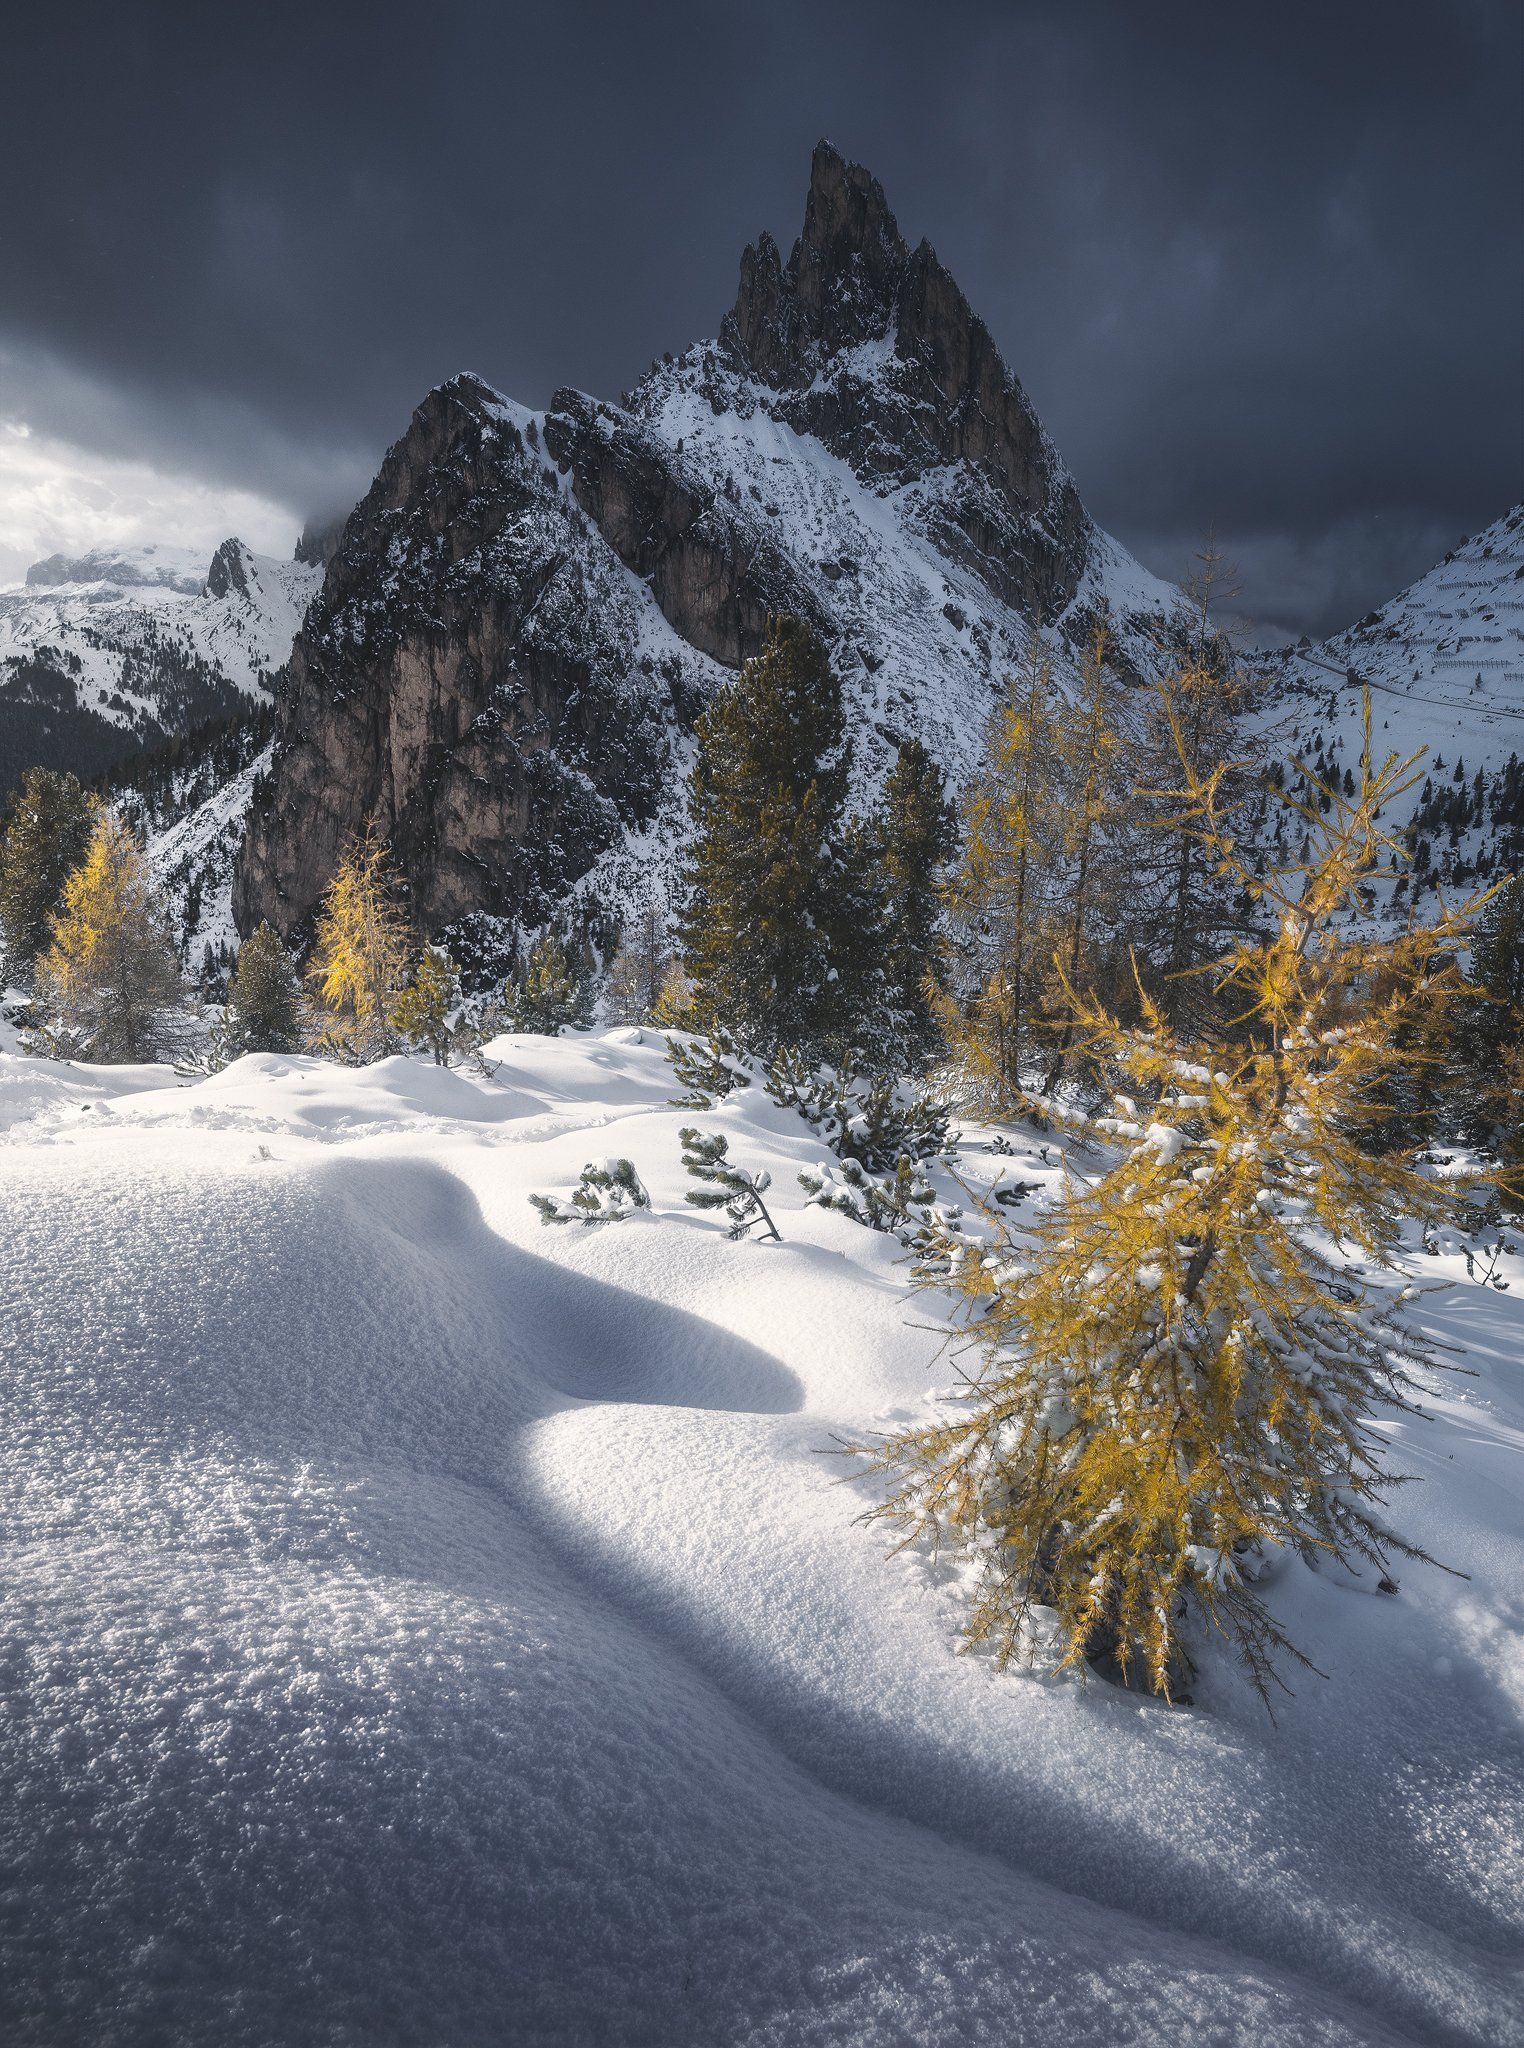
x=1357, y=681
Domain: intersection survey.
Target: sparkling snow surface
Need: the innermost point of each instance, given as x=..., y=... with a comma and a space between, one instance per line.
x=422, y=1625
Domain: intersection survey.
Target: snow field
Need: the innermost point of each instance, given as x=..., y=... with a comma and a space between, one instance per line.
x=426, y=1625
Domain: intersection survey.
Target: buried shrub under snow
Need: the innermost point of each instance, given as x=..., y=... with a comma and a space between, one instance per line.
x=735, y=1189
x=607, y=1191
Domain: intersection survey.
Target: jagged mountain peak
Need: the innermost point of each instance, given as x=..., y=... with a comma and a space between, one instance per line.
x=839, y=287
x=230, y=569
x=527, y=610
x=459, y=406
x=871, y=347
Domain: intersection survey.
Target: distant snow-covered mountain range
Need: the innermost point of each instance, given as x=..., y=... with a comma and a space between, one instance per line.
x=119, y=650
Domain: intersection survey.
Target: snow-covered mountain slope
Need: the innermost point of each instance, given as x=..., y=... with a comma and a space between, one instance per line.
x=193, y=840
x=925, y=632
x=1445, y=664
x=121, y=649
x=424, y=1625
x=527, y=610
x=1451, y=645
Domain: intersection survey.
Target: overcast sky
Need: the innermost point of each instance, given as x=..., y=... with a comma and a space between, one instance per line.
x=1259, y=266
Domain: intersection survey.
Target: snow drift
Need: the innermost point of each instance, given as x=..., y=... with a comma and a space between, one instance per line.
x=423, y=1625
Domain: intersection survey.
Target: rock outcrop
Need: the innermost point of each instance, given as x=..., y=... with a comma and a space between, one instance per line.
x=716, y=577
x=229, y=570
x=472, y=676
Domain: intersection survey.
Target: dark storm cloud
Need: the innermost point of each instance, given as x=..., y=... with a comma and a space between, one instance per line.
x=1257, y=266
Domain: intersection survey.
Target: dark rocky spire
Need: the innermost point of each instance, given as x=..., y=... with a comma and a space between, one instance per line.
x=937, y=397
x=838, y=288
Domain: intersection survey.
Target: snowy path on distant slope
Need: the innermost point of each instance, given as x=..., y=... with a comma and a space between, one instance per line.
x=426, y=1626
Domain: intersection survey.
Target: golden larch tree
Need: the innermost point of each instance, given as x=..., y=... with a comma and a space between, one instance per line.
x=360, y=952
x=1090, y=764
x=1181, y=1361
x=109, y=983
x=998, y=896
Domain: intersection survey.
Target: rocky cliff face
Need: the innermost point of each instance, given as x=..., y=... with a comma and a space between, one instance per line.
x=478, y=674
x=523, y=616
x=716, y=576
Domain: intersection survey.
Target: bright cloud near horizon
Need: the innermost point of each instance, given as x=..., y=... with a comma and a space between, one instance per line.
x=58, y=498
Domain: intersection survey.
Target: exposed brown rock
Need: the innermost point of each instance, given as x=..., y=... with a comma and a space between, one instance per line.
x=445, y=685
x=716, y=579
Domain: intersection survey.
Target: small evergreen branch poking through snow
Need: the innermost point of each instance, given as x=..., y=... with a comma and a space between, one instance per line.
x=609, y=1190
x=735, y=1189
x=710, y=1065
x=875, y=1119
x=849, y=1191
x=902, y=1204
x=1179, y=1378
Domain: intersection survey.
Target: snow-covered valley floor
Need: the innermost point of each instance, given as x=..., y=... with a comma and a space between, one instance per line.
x=422, y=1625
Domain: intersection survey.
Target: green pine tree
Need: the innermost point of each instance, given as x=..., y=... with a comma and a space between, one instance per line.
x=862, y=1021
x=422, y=1011
x=1497, y=953
x=546, y=993
x=916, y=839
x=1491, y=1076
x=767, y=868
x=46, y=838
x=264, y=1011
